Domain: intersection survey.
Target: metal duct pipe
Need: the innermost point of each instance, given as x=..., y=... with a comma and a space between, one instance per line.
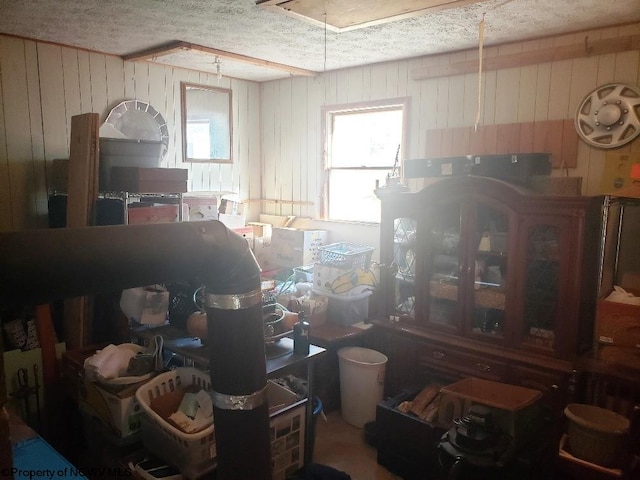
x=42, y=265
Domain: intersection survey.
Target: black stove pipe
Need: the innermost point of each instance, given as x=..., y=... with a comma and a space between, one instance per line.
x=38, y=266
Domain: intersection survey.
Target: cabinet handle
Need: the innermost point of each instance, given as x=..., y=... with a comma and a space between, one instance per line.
x=438, y=355
x=483, y=367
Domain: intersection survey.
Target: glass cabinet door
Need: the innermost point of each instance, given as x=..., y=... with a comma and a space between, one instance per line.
x=543, y=277
x=404, y=261
x=443, y=269
x=488, y=269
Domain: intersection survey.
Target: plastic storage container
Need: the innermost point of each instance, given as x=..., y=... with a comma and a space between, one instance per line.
x=346, y=310
x=125, y=152
x=345, y=255
x=362, y=372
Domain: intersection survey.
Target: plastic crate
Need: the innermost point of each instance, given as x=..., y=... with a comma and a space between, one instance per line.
x=193, y=453
x=346, y=255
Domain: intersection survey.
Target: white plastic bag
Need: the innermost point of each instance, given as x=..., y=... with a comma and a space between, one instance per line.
x=620, y=295
x=146, y=305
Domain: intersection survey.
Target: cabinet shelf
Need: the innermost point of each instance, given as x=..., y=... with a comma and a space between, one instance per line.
x=484, y=297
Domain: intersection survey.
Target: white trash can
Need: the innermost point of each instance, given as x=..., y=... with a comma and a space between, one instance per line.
x=361, y=383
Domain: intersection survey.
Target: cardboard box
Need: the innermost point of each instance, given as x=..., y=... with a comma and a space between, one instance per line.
x=287, y=429
x=626, y=357
x=246, y=233
x=292, y=247
x=515, y=409
x=230, y=207
x=621, y=175
x=232, y=221
x=152, y=214
x=618, y=324
x=116, y=407
x=264, y=230
x=200, y=208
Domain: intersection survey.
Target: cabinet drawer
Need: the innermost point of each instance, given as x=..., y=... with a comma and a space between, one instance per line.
x=465, y=363
x=542, y=380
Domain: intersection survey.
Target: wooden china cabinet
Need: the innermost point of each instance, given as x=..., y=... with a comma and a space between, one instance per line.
x=484, y=278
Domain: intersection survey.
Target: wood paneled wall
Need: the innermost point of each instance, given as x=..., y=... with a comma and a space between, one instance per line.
x=43, y=85
x=277, y=125
x=291, y=137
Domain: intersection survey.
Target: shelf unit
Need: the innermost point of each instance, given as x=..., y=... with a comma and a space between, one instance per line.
x=112, y=207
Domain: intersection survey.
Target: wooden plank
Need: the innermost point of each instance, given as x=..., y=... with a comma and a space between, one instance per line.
x=526, y=137
x=173, y=47
x=553, y=142
x=557, y=137
x=490, y=134
x=543, y=55
x=447, y=142
x=476, y=141
x=434, y=143
x=83, y=168
x=47, y=339
x=83, y=192
x=460, y=144
x=508, y=138
x=569, y=151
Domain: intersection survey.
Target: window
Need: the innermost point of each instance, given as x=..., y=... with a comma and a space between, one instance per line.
x=363, y=142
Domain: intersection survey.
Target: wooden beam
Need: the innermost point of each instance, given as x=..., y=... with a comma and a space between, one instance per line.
x=553, y=54
x=154, y=53
x=82, y=196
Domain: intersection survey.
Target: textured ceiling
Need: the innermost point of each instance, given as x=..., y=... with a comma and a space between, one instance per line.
x=239, y=26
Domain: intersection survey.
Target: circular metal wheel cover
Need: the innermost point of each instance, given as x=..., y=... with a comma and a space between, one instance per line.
x=609, y=117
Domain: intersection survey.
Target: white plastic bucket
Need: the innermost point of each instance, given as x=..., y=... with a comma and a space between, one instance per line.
x=361, y=383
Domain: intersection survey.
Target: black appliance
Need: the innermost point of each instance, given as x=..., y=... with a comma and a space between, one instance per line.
x=475, y=449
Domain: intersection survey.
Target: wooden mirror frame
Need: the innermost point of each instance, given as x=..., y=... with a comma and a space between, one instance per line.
x=220, y=115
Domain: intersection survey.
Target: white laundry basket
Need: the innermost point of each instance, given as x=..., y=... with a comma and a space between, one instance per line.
x=362, y=373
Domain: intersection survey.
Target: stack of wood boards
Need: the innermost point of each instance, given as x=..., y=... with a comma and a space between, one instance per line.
x=425, y=404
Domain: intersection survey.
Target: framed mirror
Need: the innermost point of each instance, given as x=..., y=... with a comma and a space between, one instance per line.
x=206, y=123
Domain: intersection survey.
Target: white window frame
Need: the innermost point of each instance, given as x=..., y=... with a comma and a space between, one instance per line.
x=328, y=114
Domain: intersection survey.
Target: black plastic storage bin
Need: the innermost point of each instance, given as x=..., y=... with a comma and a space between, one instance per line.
x=514, y=168
x=438, y=167
x=407, y=445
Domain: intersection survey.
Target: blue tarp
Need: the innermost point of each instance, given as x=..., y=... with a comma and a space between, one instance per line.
x=35, y=459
